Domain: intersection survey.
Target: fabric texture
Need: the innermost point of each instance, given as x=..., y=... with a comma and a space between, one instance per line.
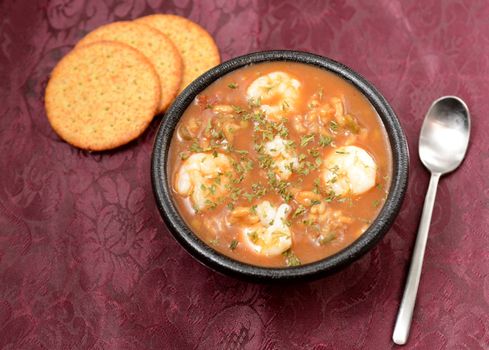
x=87, y=263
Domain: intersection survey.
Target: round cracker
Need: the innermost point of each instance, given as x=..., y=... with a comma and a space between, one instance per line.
x=154, y=45
x=102, y=95
x=196, y=46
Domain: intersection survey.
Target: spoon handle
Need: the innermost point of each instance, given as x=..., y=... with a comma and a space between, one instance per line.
x=404, y=317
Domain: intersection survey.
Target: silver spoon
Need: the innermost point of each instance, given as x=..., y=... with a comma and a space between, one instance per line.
x=442, y=146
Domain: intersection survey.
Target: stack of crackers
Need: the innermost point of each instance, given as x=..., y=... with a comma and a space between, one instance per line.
x=105, y=92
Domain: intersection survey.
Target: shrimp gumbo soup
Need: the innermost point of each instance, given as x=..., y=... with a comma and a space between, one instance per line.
x=279, y=164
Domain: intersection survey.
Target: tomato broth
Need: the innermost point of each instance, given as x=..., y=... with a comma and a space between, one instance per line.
x=279, y=164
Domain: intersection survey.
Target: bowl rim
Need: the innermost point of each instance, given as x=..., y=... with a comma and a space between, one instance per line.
x=224, y=264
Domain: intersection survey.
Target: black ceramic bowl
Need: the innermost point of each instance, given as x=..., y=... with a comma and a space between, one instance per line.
x=215, y=260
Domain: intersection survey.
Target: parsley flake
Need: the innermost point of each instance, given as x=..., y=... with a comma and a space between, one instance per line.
x=233, y=245
x=305, y=140
x=290, y=258
x=299, y=211
x=325, y=140
x=195, y=147
x=326, y=238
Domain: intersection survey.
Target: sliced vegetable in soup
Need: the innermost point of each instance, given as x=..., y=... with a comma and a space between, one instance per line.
x=280, y=164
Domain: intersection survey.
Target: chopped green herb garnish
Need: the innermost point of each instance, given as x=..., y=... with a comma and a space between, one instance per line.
x=352, y=124
x=183, y=155
x=316, y=189
x=212, y=189
x=253, y=236
x=258, y=147
x=195, y=147
x=237, y=166
x=306, y=139
x=236, y=192
x=265, y=161
x=208, y=127
x=290, y=258
x=238, y=180
x=304, y=171
x=287, y=196
x=334, y=169
x=280, y=186
x=238, y=109
x=289, y=144
x=233, y=245
x=326, y=238
x=259, y=190
x=290, y=166
x=254, y=102
x=248, y=165
x=267, y=135
x=282, y=130
x=219, y=135
x=330, y=196
x=299, y=211
x=232, y=85
x=253, y=209
x=210, y=204
x=325, y=140
x=249, y=196
x=313, y=152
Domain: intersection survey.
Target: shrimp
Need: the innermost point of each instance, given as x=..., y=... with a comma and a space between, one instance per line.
x=349, y=170
x=277, y=94
x=204, y=178
x=284, y=158
x=270, y=236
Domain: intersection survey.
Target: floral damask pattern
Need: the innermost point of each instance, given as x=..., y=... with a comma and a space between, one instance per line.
x=87, y=263
x=117, y=242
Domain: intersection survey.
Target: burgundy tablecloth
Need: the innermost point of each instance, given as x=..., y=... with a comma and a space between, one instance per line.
x=87, y=263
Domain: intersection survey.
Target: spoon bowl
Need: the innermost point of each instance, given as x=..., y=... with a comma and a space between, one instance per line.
x=445, y=135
